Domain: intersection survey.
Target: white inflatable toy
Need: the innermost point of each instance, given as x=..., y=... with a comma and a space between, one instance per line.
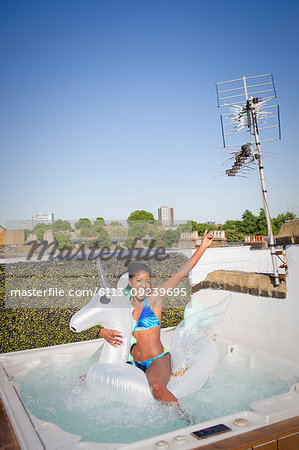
x=193, y=352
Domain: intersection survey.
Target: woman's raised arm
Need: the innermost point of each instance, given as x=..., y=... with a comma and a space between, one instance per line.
x=173, y=281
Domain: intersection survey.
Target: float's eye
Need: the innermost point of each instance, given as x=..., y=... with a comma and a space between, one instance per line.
x=105, y=300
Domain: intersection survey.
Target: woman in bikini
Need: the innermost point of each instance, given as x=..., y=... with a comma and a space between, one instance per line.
x=147, y=352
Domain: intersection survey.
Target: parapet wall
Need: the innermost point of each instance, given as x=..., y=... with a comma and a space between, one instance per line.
x=245, y=282
x=288, y=233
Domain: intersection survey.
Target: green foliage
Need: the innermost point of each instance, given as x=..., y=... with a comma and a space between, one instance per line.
x=185, y=227
x=140, y=215
x=102, y=239
x=202, y=227
x=98, y=224
x=170, y=237
x=159, y=241
x=61, y=225
x=85, y=227
x=26, y=233
x=165, y=238
x=154, y=231
x=115, y=224
x=25, y=327
x=194, y=225
x=63, y=241
x=138, y=228
x=153, y=226
x=233, y=235
x=236, y=230
x=233, y=231
x=280, y=219
x=39, y=230
x=22, y=328
x=261, y=222
x=129, y=242
x=249, y=223
x=93, y=243
x=172, y=317
x=232, y=225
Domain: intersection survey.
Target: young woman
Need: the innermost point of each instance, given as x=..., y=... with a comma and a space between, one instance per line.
x=147, y=352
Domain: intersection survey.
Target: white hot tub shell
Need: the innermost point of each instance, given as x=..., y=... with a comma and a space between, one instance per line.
x=263, y=331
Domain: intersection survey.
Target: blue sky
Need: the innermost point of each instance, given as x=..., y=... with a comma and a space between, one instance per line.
x=110, y=106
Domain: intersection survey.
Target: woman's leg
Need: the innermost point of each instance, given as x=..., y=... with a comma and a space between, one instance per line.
x=158, y=375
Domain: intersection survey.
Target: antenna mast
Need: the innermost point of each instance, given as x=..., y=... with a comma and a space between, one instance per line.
x=246, y=119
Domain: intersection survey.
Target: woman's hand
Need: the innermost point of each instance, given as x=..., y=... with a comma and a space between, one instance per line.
x=111, y=336
x=207, y=239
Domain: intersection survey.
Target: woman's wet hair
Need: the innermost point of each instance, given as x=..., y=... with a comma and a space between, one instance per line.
x=136, y=267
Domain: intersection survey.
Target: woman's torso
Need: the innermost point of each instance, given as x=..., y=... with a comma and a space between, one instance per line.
x=148, y=343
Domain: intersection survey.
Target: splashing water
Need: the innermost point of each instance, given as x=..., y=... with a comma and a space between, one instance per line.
x=56, y=394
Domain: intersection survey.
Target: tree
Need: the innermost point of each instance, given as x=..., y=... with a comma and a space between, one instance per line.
x=234, y=236
x=98, y=224
x=61, y=225
x=138, y=228
x=85, y=227
x=185, y=227
x=276, y=222
x=129, y=242
x=160, y=241
x=280, y=219
x=232, y=225
x=170, y=236
x=233, y=231
x=115, y=224
x=254, y=225
x=202, y=227
x=140, y=215
x=262, y=227
x=39, y=230
x=153, y=226
x=249, y=223
x=26, y=233
x=63, y=241
x=102, y=240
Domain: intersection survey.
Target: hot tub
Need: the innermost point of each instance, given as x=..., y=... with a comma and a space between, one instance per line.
x=258, y=334
x=34, y=432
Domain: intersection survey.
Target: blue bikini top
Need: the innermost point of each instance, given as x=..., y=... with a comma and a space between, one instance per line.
x=147, y=318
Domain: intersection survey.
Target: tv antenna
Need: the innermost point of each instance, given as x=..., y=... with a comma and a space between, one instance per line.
x=248, y=114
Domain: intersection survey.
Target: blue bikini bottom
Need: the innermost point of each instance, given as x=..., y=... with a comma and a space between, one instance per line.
x=143, y=365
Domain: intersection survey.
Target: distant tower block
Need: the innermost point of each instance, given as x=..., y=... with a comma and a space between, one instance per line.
x=46, y=218
x=166, y=216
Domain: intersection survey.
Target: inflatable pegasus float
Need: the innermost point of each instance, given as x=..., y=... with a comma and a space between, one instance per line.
x=193, y=351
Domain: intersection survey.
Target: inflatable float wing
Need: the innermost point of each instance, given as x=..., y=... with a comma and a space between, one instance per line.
x=196, y=315
x=194, y=353
x=191, y=346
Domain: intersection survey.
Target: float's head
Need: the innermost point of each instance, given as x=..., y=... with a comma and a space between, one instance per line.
x=96, y=312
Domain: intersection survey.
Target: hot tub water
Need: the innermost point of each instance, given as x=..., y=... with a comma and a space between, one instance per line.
x=56, y=394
